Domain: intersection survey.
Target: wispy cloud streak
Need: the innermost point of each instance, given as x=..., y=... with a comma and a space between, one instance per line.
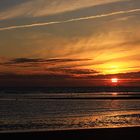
x=70, y=20
x=39, y=60
x=39, y=8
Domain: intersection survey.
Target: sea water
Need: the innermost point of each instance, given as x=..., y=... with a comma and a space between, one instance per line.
x=55, y=111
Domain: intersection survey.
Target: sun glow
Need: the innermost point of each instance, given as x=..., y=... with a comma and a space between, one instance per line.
x=112, y=68
x=114, y=80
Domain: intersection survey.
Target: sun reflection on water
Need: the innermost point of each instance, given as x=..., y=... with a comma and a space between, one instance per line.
x=114, y=94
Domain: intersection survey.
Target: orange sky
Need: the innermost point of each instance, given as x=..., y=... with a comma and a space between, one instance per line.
x=81, y=42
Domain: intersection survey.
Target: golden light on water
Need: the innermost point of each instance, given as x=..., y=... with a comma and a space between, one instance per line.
x=115, y=94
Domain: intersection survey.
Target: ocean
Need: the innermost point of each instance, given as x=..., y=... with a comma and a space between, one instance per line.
x=27, y=110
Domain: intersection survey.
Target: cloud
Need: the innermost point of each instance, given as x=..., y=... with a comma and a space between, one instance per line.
x=132, y=76
x=52, y=73
x=37, y=8
x=45, y=76
x=39, y=60
x=70, y=20
x=49, y=67
x=24, y=60
x=75, y=71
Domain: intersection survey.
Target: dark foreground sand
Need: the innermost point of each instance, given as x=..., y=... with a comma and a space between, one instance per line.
x=84, y=134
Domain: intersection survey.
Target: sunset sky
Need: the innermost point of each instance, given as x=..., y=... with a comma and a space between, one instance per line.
x=69, y=42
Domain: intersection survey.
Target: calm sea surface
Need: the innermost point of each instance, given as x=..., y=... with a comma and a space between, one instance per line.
x=53, y=111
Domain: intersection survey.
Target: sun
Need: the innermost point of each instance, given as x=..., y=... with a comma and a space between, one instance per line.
x=114, y=80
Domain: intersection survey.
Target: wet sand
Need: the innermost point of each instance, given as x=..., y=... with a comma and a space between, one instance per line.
x=83, y=134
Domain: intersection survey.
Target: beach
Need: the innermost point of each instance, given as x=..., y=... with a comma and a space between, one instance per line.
x=79, y=134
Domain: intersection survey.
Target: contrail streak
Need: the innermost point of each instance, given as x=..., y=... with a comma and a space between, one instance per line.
x=67, y=21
